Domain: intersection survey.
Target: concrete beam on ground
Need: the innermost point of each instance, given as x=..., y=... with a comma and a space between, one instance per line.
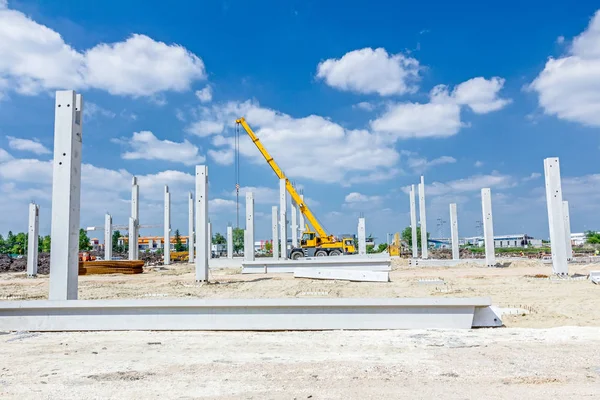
x=446, y=263
x=567, y=218
x=268, y=265
x=107, y=237
x=556, y=220
x=230, y=242
x=488, y=227
x=283, y=218
x=342, y=274
x=423, y=219
x=202, y=223
x=362, y=237
x=249, y=236
x=241, y=314
x=134, y=229
x=454, y=231
x=66, y=195
x=33, y=240
x=275, y=232
x=191, y=245
x=413, y=223
x=167, y=227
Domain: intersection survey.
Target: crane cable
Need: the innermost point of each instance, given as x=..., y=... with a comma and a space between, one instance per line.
x=237, y=172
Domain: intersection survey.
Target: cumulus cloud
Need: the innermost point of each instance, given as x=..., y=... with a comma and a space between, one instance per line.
x=371, y=71
x=204, y=95
x=32, y=146
x=4, y=155
x=146, y=146
x=205, y=128
x=470, y=184
x=569, y=86
x=356, y=197
x=421, y=164
x=480, y=94
x=35, y=58
x=93, y=110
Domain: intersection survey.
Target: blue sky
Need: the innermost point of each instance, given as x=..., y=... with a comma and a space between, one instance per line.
x=354, y=99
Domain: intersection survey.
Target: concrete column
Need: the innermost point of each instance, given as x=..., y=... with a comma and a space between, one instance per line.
x=202, y=223
x=135, y=209
x=209, y=239
x=167, y=227
x=413, y=223
x=275, y=233
x=33, y=239
x=423, y=218
x=362, y=237
x=66, y=196
x=191, y=246
x=282, y=217
x=567, y=218
x=301, y=223
x=249, y=248
x=488, y=227
x=230, y=242
x=556, y=218
x=294, y=223
x=454, y=232
x=107, y=237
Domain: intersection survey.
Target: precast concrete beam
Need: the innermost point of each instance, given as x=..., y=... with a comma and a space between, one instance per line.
x=268, y=265
x=33, y=239
x=556, y=219
x=342, y=274
x=362, y=237
x=191, y=246
x=423, y=219
x=301, y=223
x=413, y=223
x=66, y=195
x=107, y=237
x=230, y=242
x=454, y=231
x=135, y=210
x=488, y=227
x=283, y=218
x=567, y=218
x=275, y=232
x=209, y=239
x=202, y=250
x=167, y=227
x=249, y=247
x=294, y=223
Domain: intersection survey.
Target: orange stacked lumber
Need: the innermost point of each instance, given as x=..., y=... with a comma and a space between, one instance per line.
x=111, y=267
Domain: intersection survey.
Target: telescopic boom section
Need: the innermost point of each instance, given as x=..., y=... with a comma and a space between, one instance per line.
x=325, y=238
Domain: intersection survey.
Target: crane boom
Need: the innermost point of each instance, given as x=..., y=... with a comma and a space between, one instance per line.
x=288, y=185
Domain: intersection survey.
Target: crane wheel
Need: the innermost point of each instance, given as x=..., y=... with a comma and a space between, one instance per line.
x=296, y=255
x=321, y=253
x=335, y=253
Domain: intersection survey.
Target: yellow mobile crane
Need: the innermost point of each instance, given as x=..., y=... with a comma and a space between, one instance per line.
x=315, y=243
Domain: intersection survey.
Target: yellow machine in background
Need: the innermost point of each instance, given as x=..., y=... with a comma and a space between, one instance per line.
x=394, y=248
x=315, y=242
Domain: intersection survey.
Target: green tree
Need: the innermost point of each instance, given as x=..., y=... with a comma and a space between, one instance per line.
x=238, y=239
x=219, y=239
x=382, y=247
x=19, y=244
x=592, y=237
x=115, y=242
x=84, y=240
x=46, y=244
x=2, y=245
x=269, y=247
x=178, y=244
x=407, y=236
x=370, y=249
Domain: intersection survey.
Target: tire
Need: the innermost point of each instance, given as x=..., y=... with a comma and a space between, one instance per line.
x=296, y=255
x=335, y=253
x=321, y=253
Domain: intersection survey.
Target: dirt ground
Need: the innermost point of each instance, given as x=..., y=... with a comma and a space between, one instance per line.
x=558, y=363
x=551, y=302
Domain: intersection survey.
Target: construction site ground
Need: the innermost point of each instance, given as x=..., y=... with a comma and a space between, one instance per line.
x=552, y=351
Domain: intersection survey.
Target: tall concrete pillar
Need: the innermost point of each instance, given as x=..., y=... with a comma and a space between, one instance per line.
x=33, y=239
x=209, y=239
x=301, y=223
x=230, y=242
x=362, y=237
x=454, y=231
x=283, y=217
x=167, y=227
x=107, y=237
x=135, y=209
x=556, y=218
x=249, y=248
x=275, y=228
x=294, y=223
x=423, y=218
x=488, y=227
x=202, y=223
x=413, y=223
x=191, y=246
x=567, y=217
x=66, y=196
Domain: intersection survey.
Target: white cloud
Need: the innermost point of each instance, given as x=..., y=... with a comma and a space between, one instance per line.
x=356, y=197
x=421, y=164
x=371, y=71
x=3, y=4
x=478, y=164
x=35, y=58
x=205, y=128
x=480, y=94
x=26, y=170
x=262, y=195
x=533, y=176
x=222, y=157
x=569, y=86
x=364, y=105
x=91, y=110
x=32, y=146
x=470, y=184
x=373, y=177
x=4, y=156
x=204, y=95
x=221, y=205
x=146, y=146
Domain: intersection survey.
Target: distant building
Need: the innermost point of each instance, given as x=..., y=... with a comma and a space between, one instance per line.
x=578, y=239
x=519, y=240
x=153, y=242
x=95, y=244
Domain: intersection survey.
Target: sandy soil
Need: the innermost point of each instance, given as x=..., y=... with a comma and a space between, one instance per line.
x=559, y=363
x=552, y=303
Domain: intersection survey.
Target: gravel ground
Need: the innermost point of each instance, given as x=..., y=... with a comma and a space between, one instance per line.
x=558, y=363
